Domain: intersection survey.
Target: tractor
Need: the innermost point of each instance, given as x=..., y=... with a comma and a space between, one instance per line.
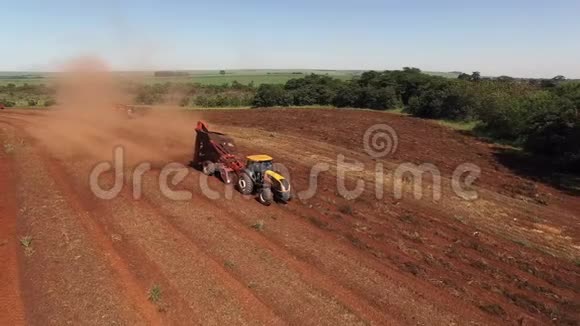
x=216, y=153
x=259, y=177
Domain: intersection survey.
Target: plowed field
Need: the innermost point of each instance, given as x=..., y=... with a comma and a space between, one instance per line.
x=67, y=257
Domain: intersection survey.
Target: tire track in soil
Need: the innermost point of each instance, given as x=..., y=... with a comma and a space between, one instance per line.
x=65, y=279
x=144, y=271
x=381, y=285
x=134, y=292
x=224, y=239
x=211, y=278
x=372, y=289
x=11, y=304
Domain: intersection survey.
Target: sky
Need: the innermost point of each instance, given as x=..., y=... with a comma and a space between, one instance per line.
x=517, y=38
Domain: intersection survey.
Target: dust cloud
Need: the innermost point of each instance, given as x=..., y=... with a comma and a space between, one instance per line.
x=92, y=118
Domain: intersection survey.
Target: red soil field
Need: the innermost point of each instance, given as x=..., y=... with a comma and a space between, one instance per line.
x=509, y=257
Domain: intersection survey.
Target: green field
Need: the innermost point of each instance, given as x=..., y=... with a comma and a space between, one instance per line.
x=31, y=80
x=246, y=76
x=204, y=77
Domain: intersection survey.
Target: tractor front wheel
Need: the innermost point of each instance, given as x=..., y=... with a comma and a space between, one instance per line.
x=245, y=184
x=265, y=198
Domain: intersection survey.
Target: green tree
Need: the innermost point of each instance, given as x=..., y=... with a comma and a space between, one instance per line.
x=554, y=131
x=464, y=76
x=444, y=99
x=377, y=98
x=271, y=95
x=505, y=78
x=347, y=95
x=559, y=78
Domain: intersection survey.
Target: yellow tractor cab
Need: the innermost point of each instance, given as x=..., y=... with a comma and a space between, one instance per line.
x=259, y=177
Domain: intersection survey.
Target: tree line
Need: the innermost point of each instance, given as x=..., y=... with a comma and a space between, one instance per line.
x=194, y=94
x=540, y=115
x=27, y=95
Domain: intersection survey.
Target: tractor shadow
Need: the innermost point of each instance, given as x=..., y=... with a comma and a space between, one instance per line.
x=539, y=169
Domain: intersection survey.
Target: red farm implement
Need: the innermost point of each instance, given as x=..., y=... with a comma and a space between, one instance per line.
x=216, y=153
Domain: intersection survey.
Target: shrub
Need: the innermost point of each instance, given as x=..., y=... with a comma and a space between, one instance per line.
x=154, y=294
x=312, y=90
x=271, y=95
x=7, y=103
x=374, y=90
x=259, y=225
x=377, y=98
x=504, y=115
x=347, y=95
x=409, y=82
x=443, y=99
x=151, y=94
x=554, y=131
x=223, y=100
x=313, y=95
x=570, y=91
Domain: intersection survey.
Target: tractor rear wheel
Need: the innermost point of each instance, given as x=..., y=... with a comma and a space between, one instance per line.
x=266, y=197
x=208, y=168
x=245, y=184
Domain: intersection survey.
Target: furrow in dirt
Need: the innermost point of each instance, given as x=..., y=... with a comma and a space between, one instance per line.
x=507, y=258
x=135, y=293
x=485, y=213
x=211, y=293
x=293, y=289
x=65, y=276
x=282, y=229
x=11, y=306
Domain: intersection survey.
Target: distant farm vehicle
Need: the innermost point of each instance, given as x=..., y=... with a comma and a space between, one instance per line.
x=131, y=111
x=216, y=153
